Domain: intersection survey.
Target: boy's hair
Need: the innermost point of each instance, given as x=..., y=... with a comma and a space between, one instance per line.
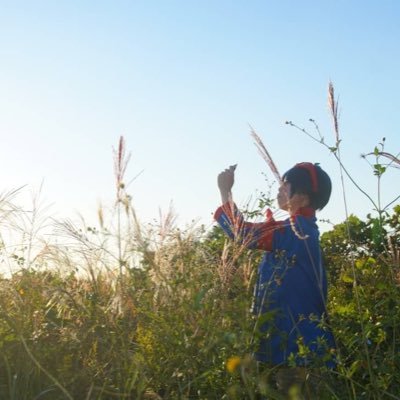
x=312, y=180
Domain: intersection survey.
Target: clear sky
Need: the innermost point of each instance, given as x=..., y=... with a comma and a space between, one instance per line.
x=181, y=81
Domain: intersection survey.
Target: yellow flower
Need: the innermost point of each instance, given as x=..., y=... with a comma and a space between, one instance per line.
x=21, y=292
x=233, y=363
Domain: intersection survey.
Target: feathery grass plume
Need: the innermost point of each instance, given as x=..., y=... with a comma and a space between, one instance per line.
x=121, y=161
x=333, y=107
x=100, y=215
x=228, y=265
x=167, y=221
x=267, y=157
x=265, y=154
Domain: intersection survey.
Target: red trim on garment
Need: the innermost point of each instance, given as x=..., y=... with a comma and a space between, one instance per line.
x=269, y=215
x=218, y=213
x=228, y=209
x=305, y=212
x=310, y=167
x=265, y=229
x=267, y=235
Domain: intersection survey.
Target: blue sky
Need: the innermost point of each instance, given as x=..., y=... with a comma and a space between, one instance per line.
x=181, y=81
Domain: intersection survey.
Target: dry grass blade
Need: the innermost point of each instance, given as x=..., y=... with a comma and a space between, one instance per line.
x=267, y=157
x=265, y=154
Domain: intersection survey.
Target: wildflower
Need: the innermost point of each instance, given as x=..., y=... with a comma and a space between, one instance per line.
x=233, y=363
x=21, y=292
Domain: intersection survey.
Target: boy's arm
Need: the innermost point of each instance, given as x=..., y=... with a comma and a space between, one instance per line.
x=252, y=235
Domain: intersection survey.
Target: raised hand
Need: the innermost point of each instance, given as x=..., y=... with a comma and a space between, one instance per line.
x=225, y=181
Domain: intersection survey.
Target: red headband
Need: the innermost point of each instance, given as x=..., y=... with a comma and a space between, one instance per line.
x=313, y=174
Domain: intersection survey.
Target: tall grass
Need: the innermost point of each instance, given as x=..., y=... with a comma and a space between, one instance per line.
x=117, y=310
x=123, y=310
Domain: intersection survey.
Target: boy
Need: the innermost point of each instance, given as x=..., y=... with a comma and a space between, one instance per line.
x=291, y=285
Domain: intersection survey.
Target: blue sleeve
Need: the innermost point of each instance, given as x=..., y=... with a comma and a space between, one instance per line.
x=250, y=235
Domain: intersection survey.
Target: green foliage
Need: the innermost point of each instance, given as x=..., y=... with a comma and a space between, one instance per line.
x=365, y=304
x=179, y=325
x=120, y=312
x=166, y=326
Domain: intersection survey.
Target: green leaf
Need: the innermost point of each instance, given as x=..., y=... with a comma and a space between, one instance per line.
x=353, y=368
x=379, y=169
x=359, y=264
x=266, y=317
x=347, y=279
x=377, y=231
x=198, y=299
x=381, y=285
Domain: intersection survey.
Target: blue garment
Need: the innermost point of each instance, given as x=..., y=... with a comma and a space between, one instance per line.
x=291, y=287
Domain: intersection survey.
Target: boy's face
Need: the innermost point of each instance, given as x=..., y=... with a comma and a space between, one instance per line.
x=291, y=204
x=284, y=196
